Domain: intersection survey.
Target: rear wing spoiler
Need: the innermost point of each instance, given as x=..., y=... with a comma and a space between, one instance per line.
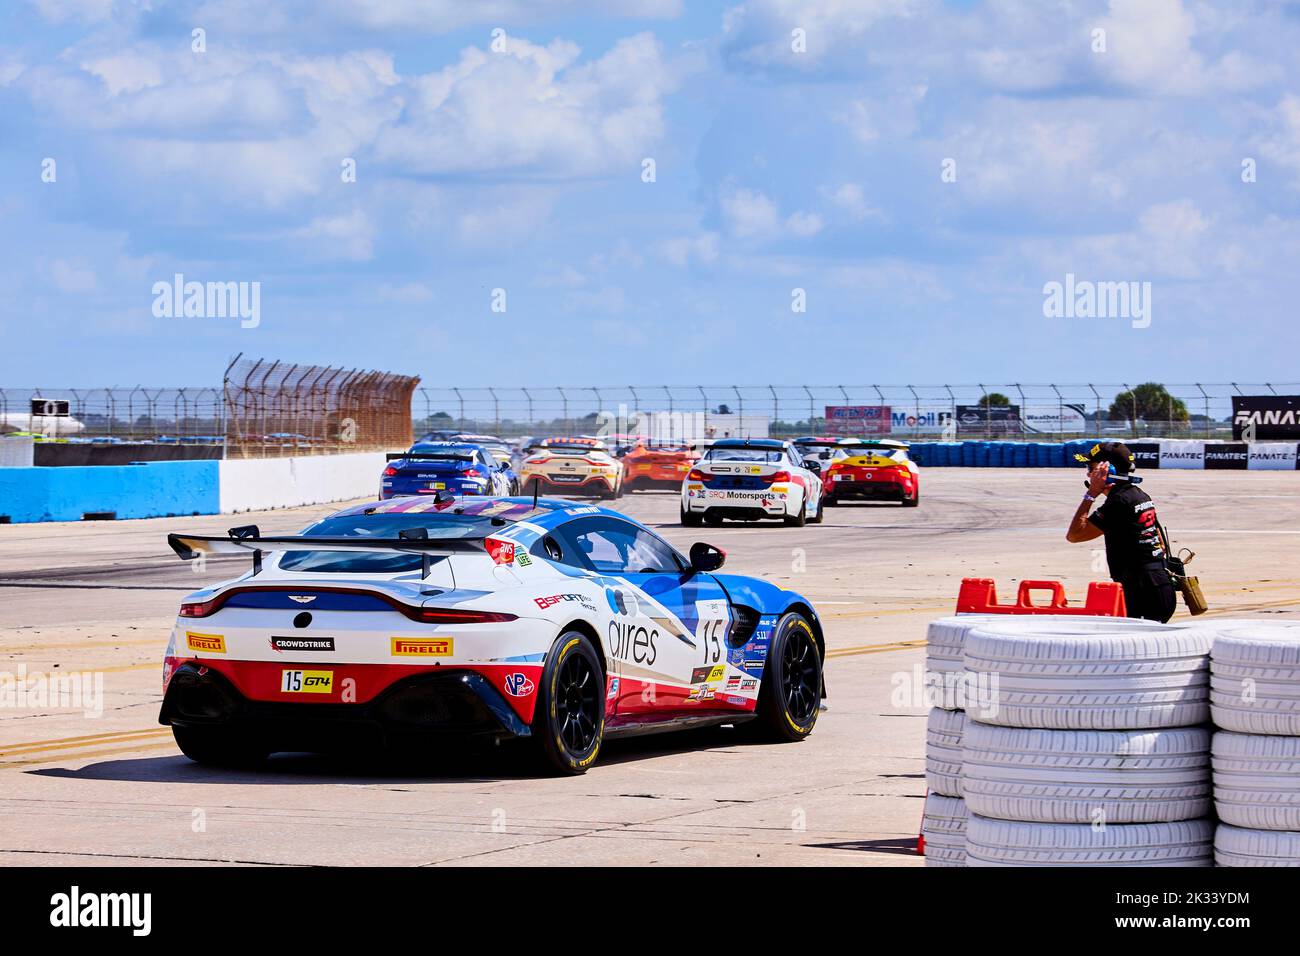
x=426, y=456
x=248, y=539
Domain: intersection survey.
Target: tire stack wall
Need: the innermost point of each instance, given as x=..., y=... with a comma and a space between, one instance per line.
x=1255, y=702
x=1096, y=753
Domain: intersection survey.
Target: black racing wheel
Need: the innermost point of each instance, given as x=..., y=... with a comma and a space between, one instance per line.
x=789, y=698
x=569, y=722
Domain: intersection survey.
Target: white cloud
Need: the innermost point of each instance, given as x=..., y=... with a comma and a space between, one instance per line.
x=348, y=235
x=853, y=200
x=681, y=251
x=534, y=109
x=85, y=11
x=749, y=214
x=804, y=224
x=73, y=278
x=406, y=293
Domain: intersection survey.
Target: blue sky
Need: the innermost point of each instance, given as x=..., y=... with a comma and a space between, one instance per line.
x=775, y=169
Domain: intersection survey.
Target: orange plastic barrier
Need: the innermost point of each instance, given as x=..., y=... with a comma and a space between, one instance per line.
x=980, y=596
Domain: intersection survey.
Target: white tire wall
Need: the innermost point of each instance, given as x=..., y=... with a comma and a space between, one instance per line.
x=1073, y=776
x=1113, y=674
x=1257, y=781
x=1255, y=679
x=944, y=831
x=1007, y=843
x=943, y=751
x=1238, y=846
x=945, y=651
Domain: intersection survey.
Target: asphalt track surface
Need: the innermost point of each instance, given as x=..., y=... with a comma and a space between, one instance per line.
x=113, y=789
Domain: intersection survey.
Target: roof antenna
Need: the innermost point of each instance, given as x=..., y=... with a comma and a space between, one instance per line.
x=537, y=485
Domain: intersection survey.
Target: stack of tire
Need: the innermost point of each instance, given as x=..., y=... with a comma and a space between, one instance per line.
x=1096, y=753
x=1255, y=703
x=944, y=822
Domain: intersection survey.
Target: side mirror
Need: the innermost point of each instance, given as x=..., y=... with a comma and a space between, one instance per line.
x=813, y=465
x=705, y=557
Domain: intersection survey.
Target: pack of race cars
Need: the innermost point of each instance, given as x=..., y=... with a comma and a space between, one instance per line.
x=463, y=604
x=739, y=479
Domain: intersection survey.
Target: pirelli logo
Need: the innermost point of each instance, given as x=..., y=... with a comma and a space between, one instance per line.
x=212, y=643
x=421, y=646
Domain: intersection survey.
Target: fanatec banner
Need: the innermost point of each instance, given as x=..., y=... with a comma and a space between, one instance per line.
x=1266, y=417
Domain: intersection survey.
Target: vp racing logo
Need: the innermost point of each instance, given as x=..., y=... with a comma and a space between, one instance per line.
x=518, y=685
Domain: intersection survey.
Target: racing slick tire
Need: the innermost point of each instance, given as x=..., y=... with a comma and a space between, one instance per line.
x=711, y=519
x=789, y=697
x=218, y=747
x=828, y=501
x=913, y=501
x=569, y=720
x=821, y=511
x=691, y=519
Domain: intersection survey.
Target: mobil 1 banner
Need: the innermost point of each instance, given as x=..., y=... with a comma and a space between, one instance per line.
x=986, y=421
x=1266, y=417
x=1227, y=455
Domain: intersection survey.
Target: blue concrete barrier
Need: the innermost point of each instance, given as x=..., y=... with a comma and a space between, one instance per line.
x=148, y=490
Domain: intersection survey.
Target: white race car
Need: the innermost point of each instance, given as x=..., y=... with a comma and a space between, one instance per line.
x=402, y=621
x=748, y=479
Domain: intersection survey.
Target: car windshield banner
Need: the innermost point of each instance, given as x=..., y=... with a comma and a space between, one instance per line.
x=981, y=420
x=857, y=420
x=1266, y=417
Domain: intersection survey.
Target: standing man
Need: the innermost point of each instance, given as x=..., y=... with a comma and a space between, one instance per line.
x=1135, y=551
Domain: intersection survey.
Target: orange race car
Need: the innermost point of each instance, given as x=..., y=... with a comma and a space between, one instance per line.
x=648, y=464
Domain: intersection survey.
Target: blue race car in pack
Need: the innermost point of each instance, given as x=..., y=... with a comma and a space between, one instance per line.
x=457, y=468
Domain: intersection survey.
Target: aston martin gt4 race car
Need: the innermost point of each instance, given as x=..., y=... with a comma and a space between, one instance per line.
x=454, y=467
x=580, y=466
x=408, y=620
x=749, y=479
x=874, y=470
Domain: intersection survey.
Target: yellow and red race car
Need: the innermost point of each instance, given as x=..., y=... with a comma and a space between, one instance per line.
x=581, y=466
x=650, y=463
x=872, y=469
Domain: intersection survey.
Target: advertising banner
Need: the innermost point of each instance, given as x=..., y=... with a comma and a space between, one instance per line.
x=854, y=420
x=1053, y=419
x=921, y=421
x=998, y=420
x=1269, y=417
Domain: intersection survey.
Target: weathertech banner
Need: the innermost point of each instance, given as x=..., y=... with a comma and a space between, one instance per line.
x=857, y=420
x=1269, y=417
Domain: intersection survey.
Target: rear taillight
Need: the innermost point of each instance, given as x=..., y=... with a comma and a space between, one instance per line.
x=695, y=475
x=199, y=609
x=499, y=550
x=779, y=476
x=473, y=473
x=390, y=471
x=443, y=615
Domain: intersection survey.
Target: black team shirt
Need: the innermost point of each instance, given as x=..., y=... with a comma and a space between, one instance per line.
x=1127, y=518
